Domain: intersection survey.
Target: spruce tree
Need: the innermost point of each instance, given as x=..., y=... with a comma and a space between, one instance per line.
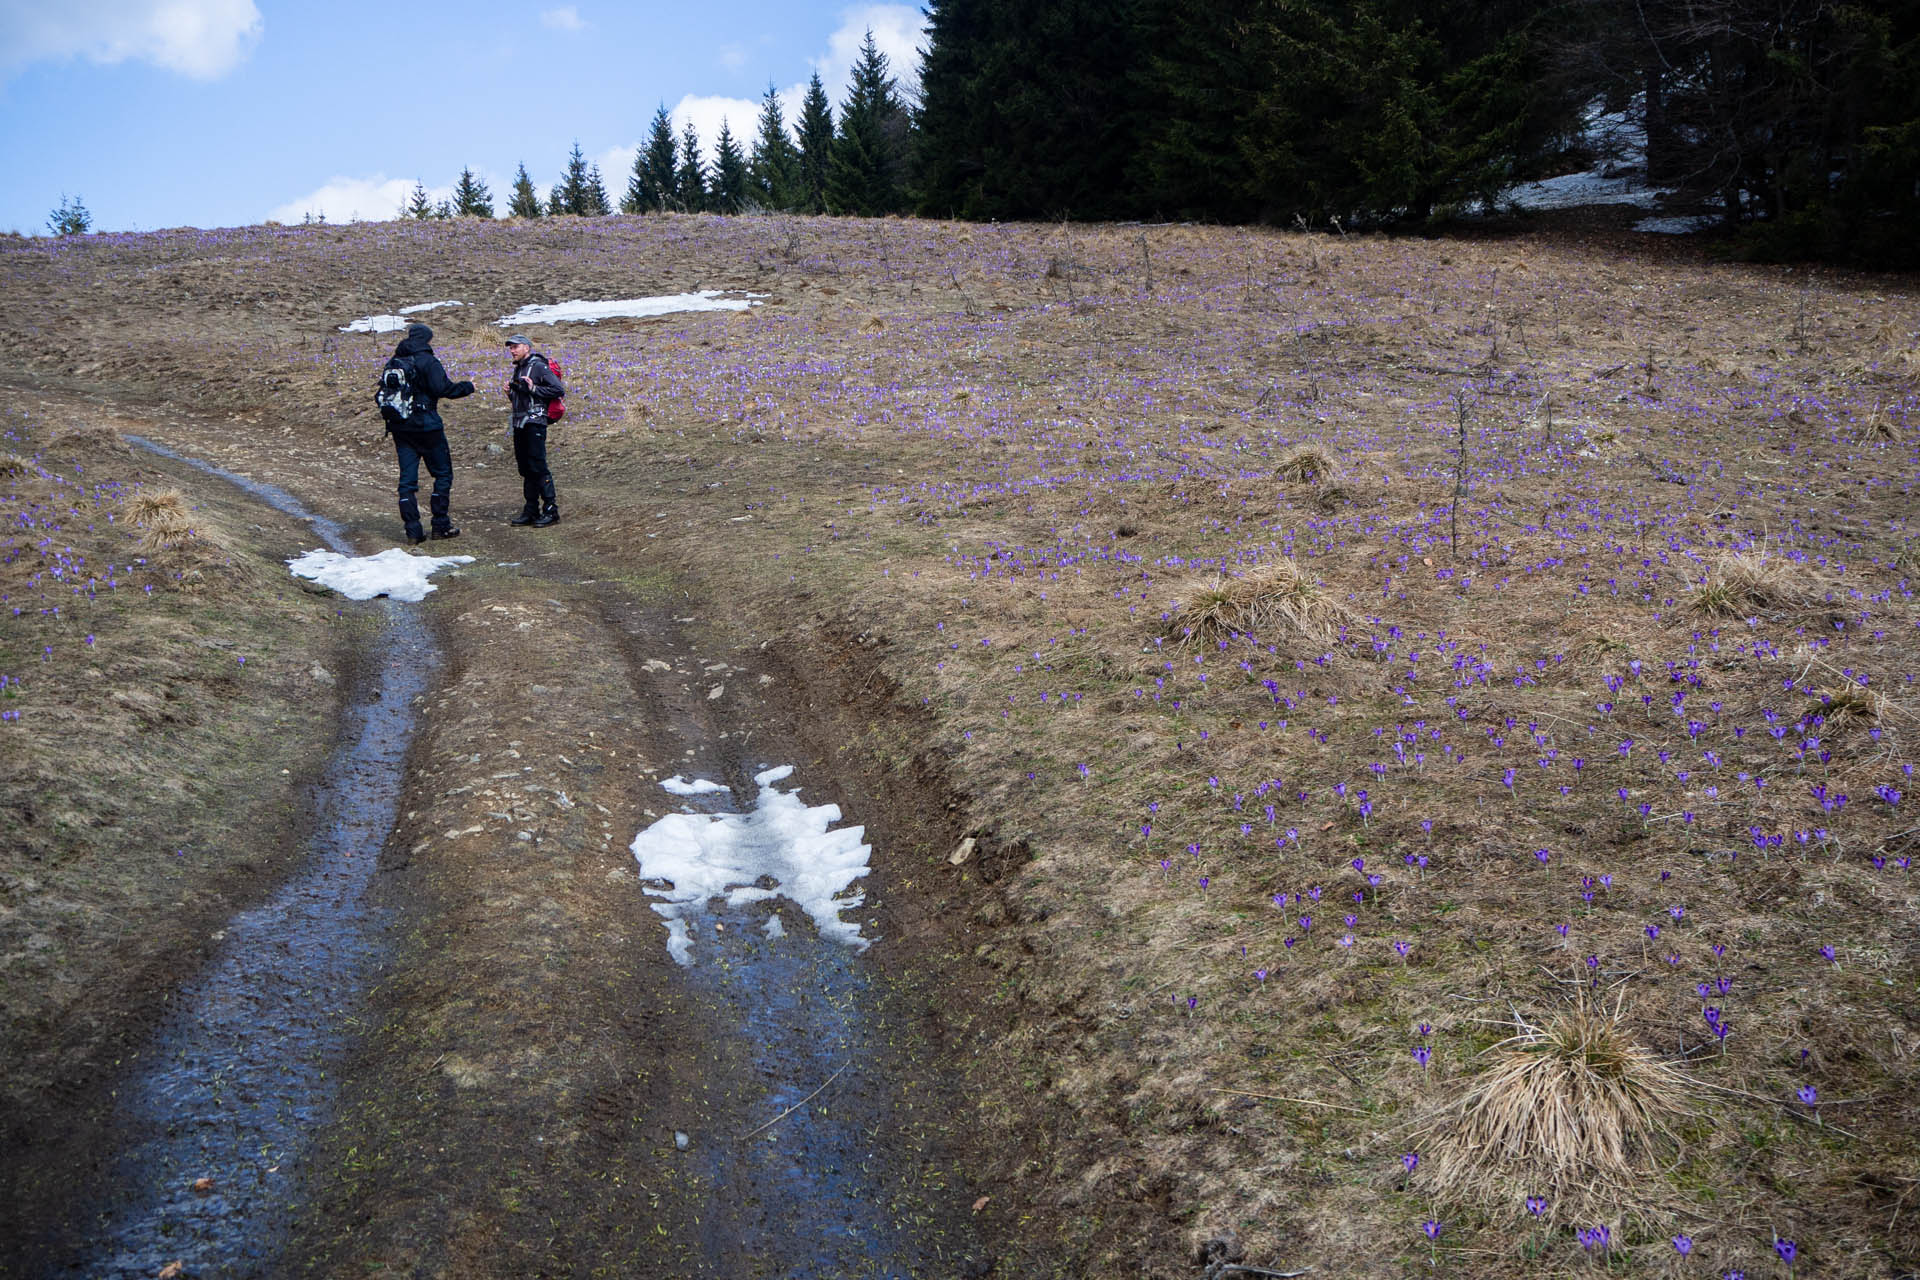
x=471, y=199
x=556, y=201
x=444, y=210
x=574, y=193
x=70, y=219
x=526, y=201
x=866, y=170
x=594, y=201
x=816, y=147
x=418, y=206
x=773, y=170
x=690, y=183
x=731, y=187
x=654, y=169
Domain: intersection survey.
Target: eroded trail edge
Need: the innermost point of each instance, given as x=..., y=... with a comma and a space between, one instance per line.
x=212, y=1130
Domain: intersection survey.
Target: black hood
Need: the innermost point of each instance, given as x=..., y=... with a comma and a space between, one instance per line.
x=419, y=338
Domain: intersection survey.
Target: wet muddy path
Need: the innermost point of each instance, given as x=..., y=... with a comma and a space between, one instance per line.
x=209, y=1137
x=455, y=1042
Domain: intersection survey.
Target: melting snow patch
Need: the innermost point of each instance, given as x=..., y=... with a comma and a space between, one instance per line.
x=393, y=323
x=1680, y=226
x=392, y=573
x=589, y=312
x=783, y=849
x=679, y=785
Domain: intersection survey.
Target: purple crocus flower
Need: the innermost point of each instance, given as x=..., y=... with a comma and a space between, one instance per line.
x=1432, y=1228
x=1787, y=1250
x=1683, y=1245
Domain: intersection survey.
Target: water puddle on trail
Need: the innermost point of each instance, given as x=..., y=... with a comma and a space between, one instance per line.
x=211, y=1127
x=805, y=1186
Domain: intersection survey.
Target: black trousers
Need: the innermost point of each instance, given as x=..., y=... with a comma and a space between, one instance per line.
x=430, y=447
x=530, y=455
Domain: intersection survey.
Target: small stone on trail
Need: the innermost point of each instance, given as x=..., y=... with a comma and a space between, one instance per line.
x=203, y=1185
x=656, y=666
x=962, y=851
x=320, y=674
x=494, y=448
x=681, y=1140
x=715, y=692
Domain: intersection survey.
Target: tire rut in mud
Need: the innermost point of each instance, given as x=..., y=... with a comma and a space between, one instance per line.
x=534, y=1053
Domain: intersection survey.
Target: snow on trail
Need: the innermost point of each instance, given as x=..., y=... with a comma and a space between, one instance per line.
x=393, y=573
x=783, y=849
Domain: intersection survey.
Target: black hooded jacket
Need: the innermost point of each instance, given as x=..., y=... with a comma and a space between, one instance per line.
x=429, y=378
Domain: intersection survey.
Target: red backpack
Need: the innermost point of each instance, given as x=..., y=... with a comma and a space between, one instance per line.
x=556, y=407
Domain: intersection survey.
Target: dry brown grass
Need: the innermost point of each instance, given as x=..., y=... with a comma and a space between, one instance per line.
x=1275, y=594
x=1575, y=1110
x=89, y=438
x=164, y=518
x=1878, y=427
x=1308, y=464
x=13, y=464
x=1743, y=583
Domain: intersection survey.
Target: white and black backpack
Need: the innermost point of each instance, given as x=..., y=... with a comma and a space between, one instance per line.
x=395, y=394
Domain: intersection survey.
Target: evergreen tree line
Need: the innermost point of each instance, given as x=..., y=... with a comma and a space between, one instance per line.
x=857, y=165
x=1799, y=119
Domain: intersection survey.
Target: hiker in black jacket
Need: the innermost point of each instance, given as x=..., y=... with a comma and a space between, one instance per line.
x=423, y=437
x=531, y=387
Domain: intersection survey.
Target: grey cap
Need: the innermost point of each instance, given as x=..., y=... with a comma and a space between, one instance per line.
x=519, y=340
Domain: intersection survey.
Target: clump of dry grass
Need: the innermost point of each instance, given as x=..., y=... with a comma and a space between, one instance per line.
x=90, y=438
x=1850, y=703
x=1576, y=1110
x=162, y=516
x=1878, y=426
x=1308, y=464
x=1273, y=594
x=13, y=464
x=1741, y=582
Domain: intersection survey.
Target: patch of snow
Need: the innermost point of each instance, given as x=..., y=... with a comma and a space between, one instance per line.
x=782, y=849
x=591, y=312
x=1572, y=190
x=1619, y=140
x=393, y=573
x=1680, y=226
x=680, y=786
x=393, y=323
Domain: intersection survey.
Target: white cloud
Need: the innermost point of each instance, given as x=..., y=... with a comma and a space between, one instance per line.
x=732, y=57
x=565, y=18
x=899, y=32
x=204, y=39
x=374, y=199
x=706, y=113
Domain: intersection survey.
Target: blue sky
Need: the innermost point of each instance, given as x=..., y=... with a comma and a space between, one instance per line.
x=162, y=113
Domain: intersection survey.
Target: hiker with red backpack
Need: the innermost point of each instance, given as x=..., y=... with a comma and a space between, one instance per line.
x=534, y=390
x=412, y=384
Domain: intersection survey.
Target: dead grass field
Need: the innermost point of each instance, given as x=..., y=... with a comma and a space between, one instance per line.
x=1611, y=704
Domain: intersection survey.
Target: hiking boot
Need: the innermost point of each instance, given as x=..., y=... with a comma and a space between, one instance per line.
x=550, y=516
x=442, y=534
x=416, y=536
x=527, y=516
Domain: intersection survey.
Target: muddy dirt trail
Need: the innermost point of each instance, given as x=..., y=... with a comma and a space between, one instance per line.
x=457, y=1041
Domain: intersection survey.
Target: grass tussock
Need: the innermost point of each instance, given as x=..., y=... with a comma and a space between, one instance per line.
x=163, y=517
x=1878, y=427
x=13, y=464
x=1742, y=583
x=89, y=438
x=1276, y=594
x=1575, y=1110
x=1308, y=464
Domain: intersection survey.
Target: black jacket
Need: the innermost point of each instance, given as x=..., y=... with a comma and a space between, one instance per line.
x=531, y=406
x=429, y=378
